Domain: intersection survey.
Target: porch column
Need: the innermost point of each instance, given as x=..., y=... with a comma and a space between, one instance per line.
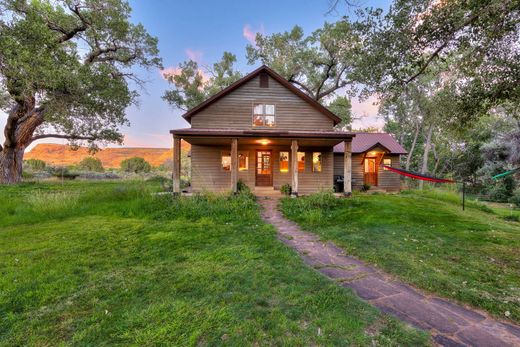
x=294, y=168
x=176, y=174
x=347, y=169
x=234, y=165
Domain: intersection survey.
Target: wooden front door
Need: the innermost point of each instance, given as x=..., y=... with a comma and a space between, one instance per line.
x=370, y=171
x=264, y=168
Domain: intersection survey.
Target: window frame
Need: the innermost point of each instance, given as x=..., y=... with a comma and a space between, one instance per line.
x=298, y=161
x=288, y=162
x=321, y=162
x=385, y=159
x=228, y=154
x=246, y=154
x=263, y=115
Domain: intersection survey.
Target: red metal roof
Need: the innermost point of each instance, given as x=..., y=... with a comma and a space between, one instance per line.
x=364, y=142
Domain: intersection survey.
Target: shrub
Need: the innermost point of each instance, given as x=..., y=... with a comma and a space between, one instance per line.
x=286, y=189
x=512, y=218
x=35, y=164
x=135, y=165
x=91, y=164
x=62, y=172
x=365, y=187
x=242, y=187
x=515, y=199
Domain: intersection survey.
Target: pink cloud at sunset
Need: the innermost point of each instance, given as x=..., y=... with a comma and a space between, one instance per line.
x=194, y=55
x=250, y=34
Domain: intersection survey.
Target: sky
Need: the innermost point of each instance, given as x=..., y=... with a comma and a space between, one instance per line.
x=202, y=31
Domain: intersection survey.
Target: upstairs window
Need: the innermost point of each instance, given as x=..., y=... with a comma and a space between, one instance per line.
x=316, y=162
x=263, y=115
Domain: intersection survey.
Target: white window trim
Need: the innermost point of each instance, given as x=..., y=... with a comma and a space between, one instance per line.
x=263, y=114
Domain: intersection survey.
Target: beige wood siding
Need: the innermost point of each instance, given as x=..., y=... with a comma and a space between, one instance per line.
x=207, y=173
x=386, y=179
x=234, y=111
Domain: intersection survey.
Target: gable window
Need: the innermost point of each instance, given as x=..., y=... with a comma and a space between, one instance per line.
x=387, y=162
x=243, y=161
x=301, y=161
x=284, y=161
x=316, y=162
x=263, y=115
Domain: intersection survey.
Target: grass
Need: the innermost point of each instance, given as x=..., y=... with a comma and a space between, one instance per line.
x=106, y=263
x=427, y=240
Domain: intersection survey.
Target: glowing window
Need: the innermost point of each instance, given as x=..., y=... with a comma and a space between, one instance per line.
x=301, y=161
x=226, y=161
x=284, y=161
x=316, y=161
x=264, y=115
x=387, y=162
x=243, y=161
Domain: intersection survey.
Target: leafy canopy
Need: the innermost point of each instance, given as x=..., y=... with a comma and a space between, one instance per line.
x=91, y=164
x=66, y=66
x=135, y=165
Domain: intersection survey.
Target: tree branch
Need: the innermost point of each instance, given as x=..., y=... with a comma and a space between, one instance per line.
x=303, y=86
x=62, y=136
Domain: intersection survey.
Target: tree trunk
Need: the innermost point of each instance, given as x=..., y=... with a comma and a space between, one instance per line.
x=412, y=148
x=21, y=123
x=11, y=160
x=427, y=146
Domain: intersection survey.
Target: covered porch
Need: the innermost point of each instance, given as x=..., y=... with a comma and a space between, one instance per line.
x=261, y=159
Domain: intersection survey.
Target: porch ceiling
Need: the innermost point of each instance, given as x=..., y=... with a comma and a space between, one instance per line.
x=261, y=137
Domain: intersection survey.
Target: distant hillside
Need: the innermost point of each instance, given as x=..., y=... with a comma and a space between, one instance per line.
x=62, y=155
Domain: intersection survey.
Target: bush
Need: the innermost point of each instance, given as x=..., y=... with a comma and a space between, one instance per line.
x=242, y=187
x=515, y=199
x=62, y=172
x=286, y=189
x=91, y=164
x=365, y=187
x=135, y=165
x=35, y=164
x=512, y=218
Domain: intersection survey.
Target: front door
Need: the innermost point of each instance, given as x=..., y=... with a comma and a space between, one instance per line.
x=370, y=171
x=264, y=168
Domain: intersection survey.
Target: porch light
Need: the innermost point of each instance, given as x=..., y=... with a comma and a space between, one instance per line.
x=264, y=142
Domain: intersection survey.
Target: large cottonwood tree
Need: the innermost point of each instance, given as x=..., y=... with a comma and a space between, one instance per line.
x=66, y=72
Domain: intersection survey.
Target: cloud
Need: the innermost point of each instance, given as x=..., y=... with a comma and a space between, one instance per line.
x=250, y=34
x=171, y=71
x=194, y=55
x=366, y=114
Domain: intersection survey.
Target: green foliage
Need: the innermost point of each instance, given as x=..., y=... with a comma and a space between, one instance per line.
x=191, y=86
x=62, y=172
x=286, y=189
x=135, y=165
x=91, y=164
x=365, y=187
x=512, y=218
x=66, y=66
x=35, y=164
x=319, y=64
x=200, y=270
x=426, y=239
x=342, y=107
x=515, y=199
x=242, y=187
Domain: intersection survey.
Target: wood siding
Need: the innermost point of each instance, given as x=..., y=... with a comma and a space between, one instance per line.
x=234, y=111
x=386, y=179
x=207, y=173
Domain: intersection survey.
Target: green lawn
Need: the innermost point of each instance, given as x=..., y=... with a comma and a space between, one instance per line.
x=97, y=263
x=427, y=240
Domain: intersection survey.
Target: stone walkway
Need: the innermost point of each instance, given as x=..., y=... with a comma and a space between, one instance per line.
x=449, y=324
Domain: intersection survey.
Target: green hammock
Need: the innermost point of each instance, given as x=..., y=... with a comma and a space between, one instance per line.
x=507, y=173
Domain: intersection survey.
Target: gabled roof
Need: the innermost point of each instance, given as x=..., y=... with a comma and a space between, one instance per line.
x=319, y=107
x=364, y=142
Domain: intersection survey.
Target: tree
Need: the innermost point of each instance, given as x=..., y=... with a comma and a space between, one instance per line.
x=65, y=68
x=91, y=164
x=342, y=108
x=35, y=164
x=190, y=87
x=135, y=165
x=416, y=37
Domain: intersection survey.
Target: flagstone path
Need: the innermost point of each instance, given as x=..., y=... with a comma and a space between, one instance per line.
x=449, y=324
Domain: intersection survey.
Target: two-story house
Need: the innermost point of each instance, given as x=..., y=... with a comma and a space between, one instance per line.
x=266, y=132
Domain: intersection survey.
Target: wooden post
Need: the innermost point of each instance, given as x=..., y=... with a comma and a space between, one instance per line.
x=234, y=165
x=347, y=168
x=294, y=168
x=176, y=174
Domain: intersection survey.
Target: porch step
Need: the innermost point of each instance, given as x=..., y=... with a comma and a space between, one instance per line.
x=266, y=191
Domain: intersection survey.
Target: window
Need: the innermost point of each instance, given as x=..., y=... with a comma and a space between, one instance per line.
x=284, y=161
x=316, y=162
x=301, y=161
x=263, y=115
x=243, y=161
x=387, y=162
x=226, y=161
